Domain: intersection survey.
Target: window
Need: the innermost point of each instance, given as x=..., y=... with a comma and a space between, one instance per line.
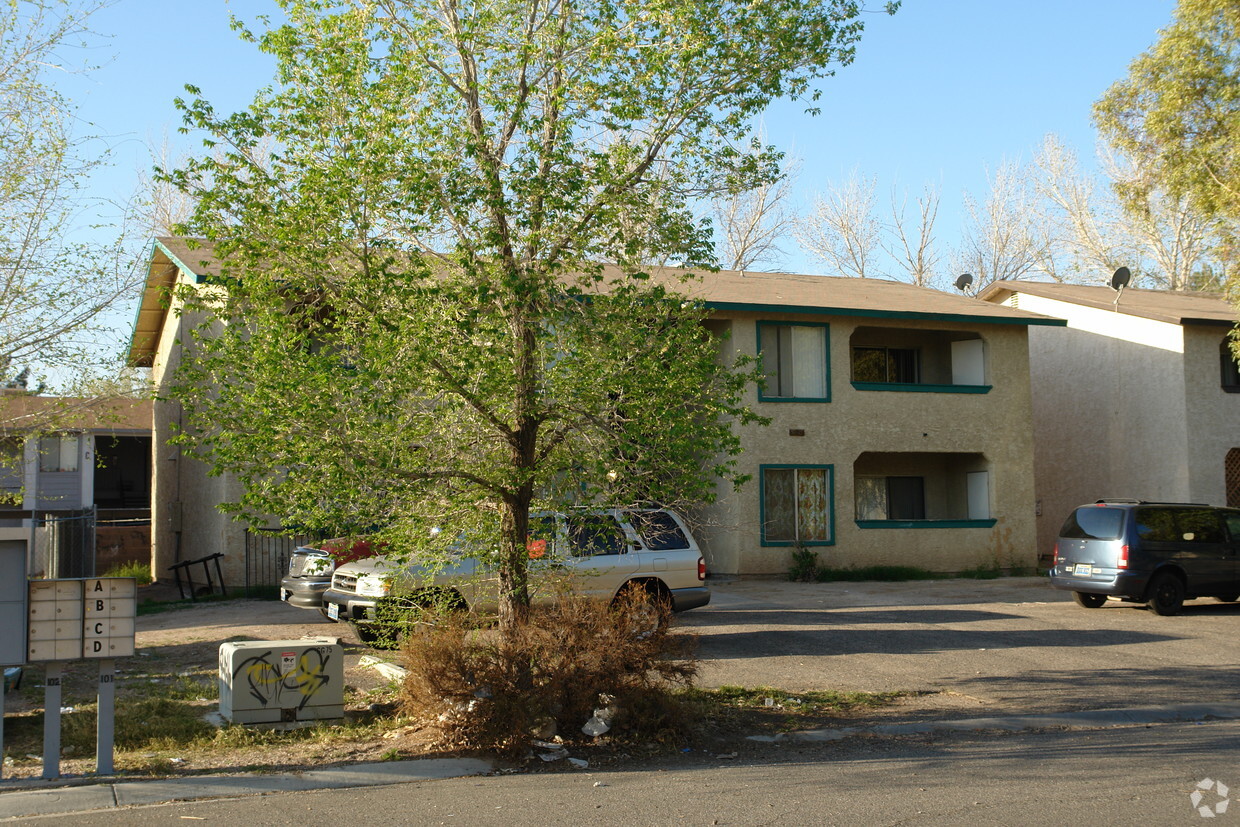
x=58, y=453
x=10, y=470
x=658, y=529
x=891, y=498
x=1230, y=367
x=885, y=364
x=912, y=359
x=796, y=505
x=590, y=535
x=1094, y=523
x=794, y=359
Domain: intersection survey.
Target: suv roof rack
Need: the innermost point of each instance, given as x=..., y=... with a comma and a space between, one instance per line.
x=1146, y=502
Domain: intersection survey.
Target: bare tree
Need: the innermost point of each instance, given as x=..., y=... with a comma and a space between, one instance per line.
x=1000, y=243
x=750, y=225
x=1128, y=221
x=842, y=229
x=914, y=247
x=55, y=282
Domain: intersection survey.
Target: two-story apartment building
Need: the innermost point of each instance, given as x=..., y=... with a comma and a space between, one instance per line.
x=1138, y=398
x=899, y=433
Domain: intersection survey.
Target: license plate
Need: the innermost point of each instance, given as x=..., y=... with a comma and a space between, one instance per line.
x=285, y=594
x=1084, y=570
x=333, y=611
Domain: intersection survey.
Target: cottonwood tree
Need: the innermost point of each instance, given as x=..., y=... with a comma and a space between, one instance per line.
x=751, y=225
x=1178, y=110
x=1000, y=240
x=413, y=325
x=912, y=243
x=842, y=229
x=54, y=281
x=1162, y=239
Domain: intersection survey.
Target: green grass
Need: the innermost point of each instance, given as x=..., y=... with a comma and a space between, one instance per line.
x=138, y=571
x=816, y=702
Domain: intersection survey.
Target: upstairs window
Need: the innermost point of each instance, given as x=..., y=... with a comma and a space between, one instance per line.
x=912, y=359
x=58, y=452
x=885, y=364
x=1230, y=367
x=794, y=359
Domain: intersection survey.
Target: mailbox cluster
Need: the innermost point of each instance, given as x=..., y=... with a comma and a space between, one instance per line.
x=75, y=619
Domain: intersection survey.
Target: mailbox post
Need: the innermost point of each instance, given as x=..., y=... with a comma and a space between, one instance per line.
x=74, y=620
x=12, y=616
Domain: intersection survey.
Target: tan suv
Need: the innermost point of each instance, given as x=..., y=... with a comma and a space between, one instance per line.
x=597, y=552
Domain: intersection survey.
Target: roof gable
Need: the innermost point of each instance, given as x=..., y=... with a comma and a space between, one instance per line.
x=1173, y=307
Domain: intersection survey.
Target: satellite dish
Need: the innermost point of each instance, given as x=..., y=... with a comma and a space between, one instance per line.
x=964, y=282
x=1121, y=278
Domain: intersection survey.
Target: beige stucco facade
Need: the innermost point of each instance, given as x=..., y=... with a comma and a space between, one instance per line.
x=186, y=523
x=958, y=434
x=1125, y=405
x=939, y=433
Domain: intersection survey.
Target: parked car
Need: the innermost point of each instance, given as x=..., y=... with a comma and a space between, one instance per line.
x=600, y=553
x=1160, y=554
x=310, y=571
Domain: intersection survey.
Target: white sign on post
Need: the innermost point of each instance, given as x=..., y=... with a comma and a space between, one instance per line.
x=111, y=606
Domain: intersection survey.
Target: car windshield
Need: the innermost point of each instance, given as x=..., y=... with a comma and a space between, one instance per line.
x=1094, y=523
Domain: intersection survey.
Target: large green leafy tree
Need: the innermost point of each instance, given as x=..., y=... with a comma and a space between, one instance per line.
x=413, y=325
x=1177, y=113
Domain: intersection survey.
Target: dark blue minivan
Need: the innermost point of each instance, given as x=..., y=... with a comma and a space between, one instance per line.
x=1160, y=554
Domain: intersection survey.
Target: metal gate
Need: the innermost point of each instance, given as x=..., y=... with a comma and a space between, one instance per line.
x=62, y=544
x=267, y=551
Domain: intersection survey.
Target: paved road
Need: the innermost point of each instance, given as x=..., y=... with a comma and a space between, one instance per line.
x=1012, y=645
x=1123, y=776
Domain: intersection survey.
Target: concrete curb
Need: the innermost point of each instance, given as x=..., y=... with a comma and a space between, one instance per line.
x=80, y=795
x=107, y=794
x=1091, y=719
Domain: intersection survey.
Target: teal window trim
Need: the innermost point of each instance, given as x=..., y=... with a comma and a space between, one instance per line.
x=920, y=388
x=925, y=523
x=765, y=543
x=826, y=359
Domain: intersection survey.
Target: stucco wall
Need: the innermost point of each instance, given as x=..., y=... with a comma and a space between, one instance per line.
x=1213, y=415
x=185, y=522
x=1108, y=408
x=995, y=424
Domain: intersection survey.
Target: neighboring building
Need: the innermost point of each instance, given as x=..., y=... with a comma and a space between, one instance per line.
x=64, y=460
x=1139, y=397
x=900, y=426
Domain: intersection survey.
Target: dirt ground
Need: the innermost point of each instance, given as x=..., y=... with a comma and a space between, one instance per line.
x=183, y=643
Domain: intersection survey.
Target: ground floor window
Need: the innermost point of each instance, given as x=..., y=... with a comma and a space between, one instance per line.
x=893, y=489
x=796, y=505
x=891, y=498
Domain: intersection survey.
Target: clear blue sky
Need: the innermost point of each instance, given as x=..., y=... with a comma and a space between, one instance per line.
x=939, y=93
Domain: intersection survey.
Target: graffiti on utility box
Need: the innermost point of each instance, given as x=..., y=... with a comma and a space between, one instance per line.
x=286, y=679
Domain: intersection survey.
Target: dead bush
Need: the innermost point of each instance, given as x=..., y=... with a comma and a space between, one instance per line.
x=494, y=692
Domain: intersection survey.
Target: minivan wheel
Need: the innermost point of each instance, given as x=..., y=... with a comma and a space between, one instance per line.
x=1166, y=594
x=1089, y=601
x=1227, y=598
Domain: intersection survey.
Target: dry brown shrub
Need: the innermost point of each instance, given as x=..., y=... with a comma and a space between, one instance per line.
x=495, y=692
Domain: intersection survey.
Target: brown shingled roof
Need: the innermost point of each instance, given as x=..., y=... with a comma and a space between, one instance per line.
x=1160, y=305
x=19, y=412
x=736, y=290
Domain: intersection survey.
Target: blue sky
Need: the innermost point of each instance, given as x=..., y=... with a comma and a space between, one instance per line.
x=939, y=93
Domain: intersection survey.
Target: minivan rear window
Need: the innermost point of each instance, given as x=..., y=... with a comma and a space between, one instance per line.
x=1094, y=523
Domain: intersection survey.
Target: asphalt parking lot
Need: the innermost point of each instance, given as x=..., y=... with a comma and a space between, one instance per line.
x=1011, y=645
x=1006, y=645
